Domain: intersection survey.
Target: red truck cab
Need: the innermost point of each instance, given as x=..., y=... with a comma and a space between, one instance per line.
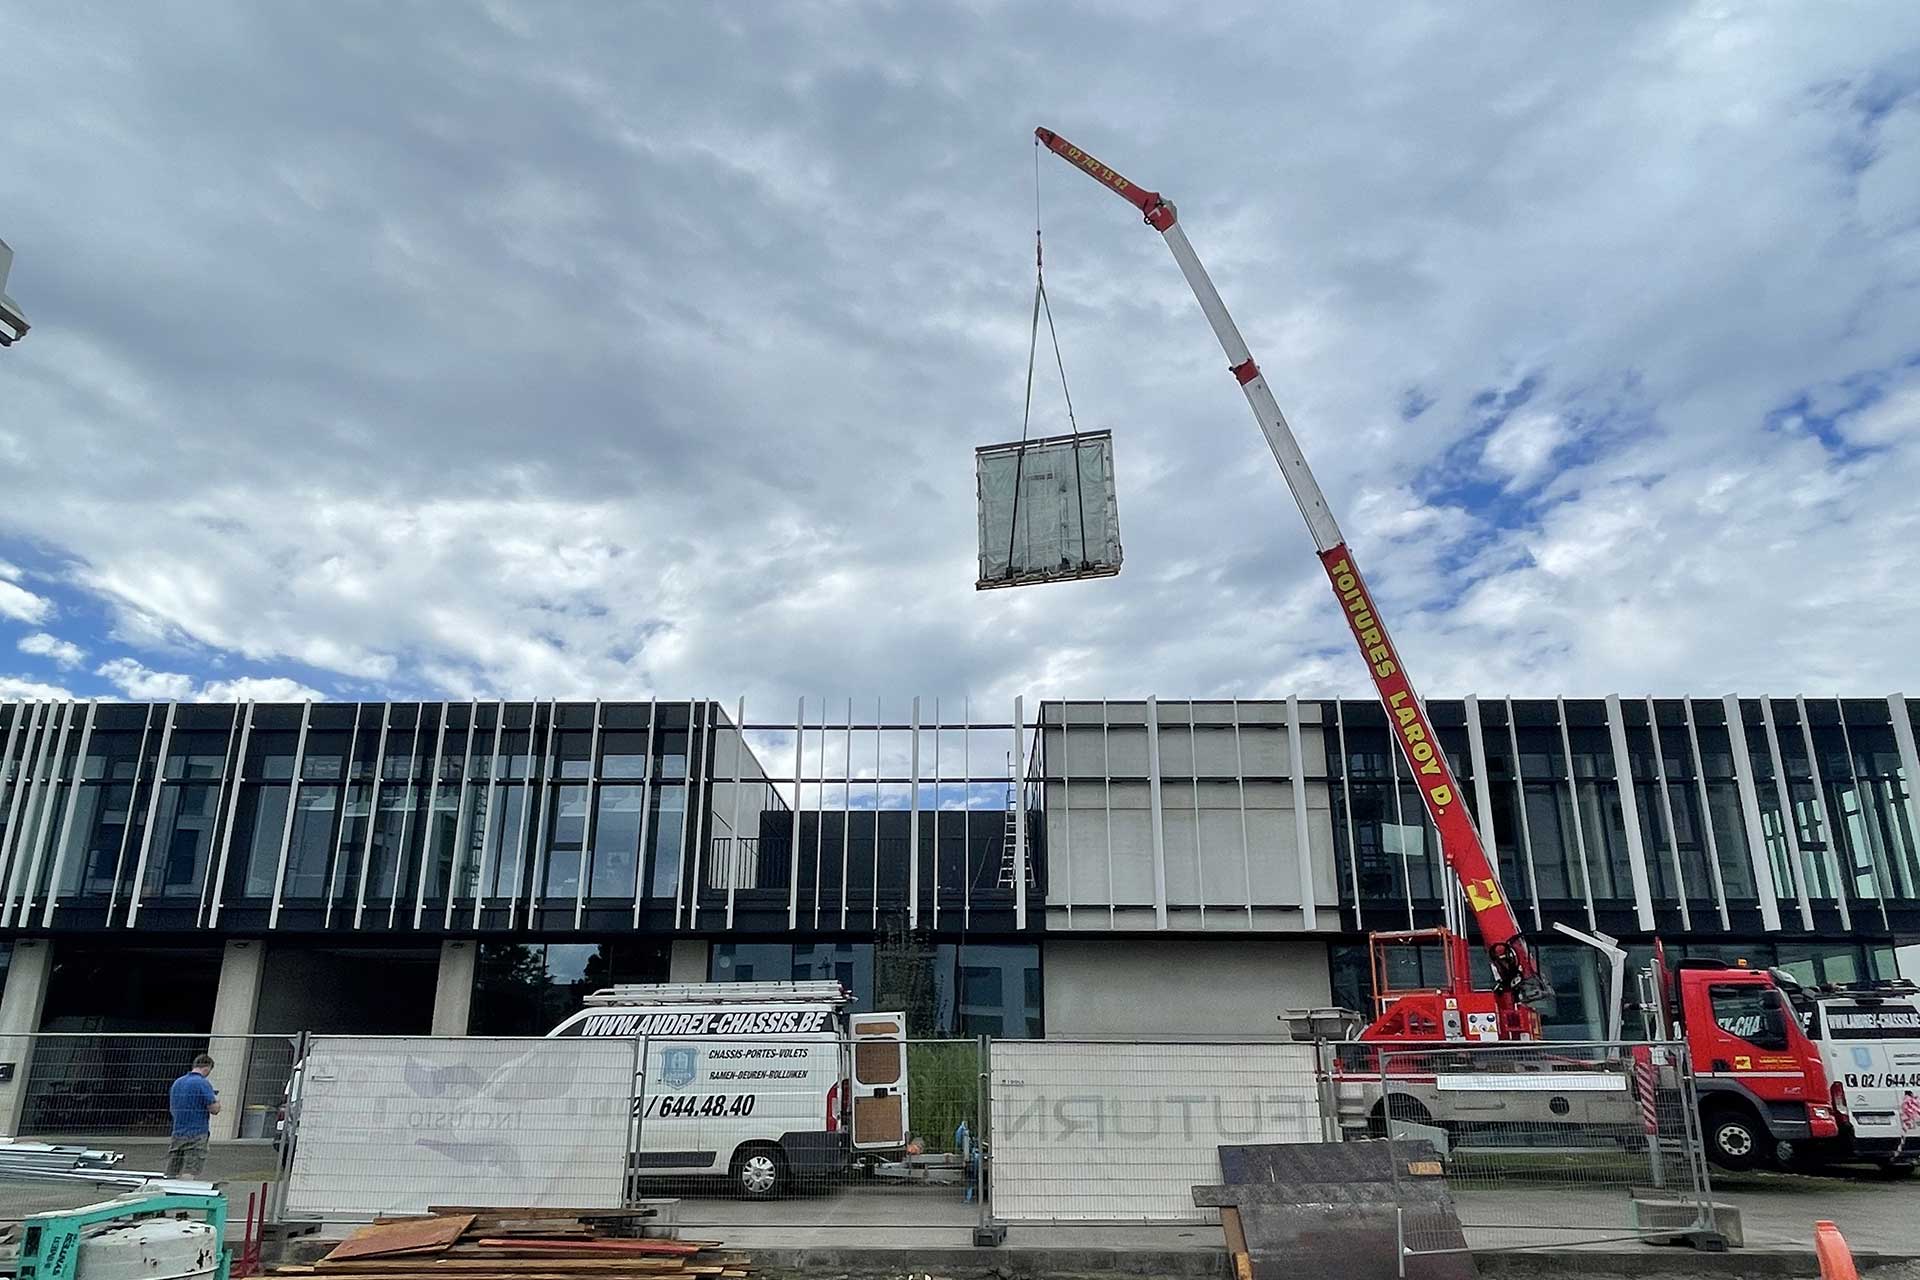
x=1761, y=1083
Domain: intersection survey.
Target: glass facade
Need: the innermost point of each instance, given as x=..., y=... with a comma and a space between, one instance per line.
x=946, y=989
x=527, y=989
x=920, y=854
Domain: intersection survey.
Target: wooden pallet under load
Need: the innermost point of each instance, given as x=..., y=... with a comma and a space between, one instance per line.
x=463, y=1243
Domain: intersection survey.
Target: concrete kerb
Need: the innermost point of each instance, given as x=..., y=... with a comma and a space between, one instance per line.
x=1077, y=1262
x=1020, y=1263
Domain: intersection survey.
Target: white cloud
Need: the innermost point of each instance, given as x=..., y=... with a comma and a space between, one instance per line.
x=137, y=681
x=1895, y=417
x=64, y=652
x=258, y=689
x=1523, y=445
x=22, y=605
x=21, y=687
x=140, y=682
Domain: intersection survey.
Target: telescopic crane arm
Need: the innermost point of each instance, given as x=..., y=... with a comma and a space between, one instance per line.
x=1516, y=976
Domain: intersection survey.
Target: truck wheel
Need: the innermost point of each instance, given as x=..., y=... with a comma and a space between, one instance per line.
x=1402, y=1107
x=759, y=1171
x=1733, y=1137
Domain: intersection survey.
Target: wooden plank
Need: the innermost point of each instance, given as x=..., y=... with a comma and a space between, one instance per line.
x=1236, y=1243
x=473, y=1265
x=423, y=1273
x=520, y=1254
x=584, y=1248
x=425, y=1234
x=520, y=1211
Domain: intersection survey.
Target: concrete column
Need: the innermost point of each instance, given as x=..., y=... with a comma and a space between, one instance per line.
x=688, y=960
x=235, y=1001
x=453, y=992
x=21, y=1004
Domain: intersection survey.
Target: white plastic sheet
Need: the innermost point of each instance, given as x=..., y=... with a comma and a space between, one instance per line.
x=1047, y=510
x=392, y=1124
x=1123, y=1132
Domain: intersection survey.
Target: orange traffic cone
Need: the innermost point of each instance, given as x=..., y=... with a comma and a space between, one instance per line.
x=1830, y=1247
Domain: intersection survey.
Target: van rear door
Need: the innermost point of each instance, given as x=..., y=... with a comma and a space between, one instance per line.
x=879, y=1080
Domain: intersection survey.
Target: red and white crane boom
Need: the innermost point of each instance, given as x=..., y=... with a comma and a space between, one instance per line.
x=1516, y=977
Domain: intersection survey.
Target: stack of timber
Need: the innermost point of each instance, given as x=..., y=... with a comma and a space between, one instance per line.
x=521, y=1244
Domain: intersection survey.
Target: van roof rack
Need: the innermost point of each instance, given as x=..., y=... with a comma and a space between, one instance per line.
x=819, y=991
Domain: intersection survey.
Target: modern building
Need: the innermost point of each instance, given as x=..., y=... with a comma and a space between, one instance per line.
x=1140, y=868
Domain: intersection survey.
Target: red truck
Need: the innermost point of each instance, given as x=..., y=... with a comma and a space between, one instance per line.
x=1763, y=1089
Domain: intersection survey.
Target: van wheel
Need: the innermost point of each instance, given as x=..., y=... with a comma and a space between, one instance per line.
x=759, y=1171
x=1733, y=1137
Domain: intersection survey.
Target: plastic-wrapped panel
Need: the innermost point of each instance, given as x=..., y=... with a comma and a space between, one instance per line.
x=1047, y=510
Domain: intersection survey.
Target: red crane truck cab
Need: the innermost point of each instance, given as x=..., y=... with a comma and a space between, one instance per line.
x=1761, y=1083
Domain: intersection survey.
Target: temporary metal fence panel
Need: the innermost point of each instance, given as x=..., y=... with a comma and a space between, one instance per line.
x=114, y=1084
x=1546, y=1144
x=1086, y=1131
x=393, y=1124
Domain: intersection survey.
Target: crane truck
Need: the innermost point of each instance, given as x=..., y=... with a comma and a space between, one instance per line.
x=1456, y=1010
x=1762, y=1084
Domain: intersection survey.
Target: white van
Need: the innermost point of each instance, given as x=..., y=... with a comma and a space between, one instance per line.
x=765, y=1082
x=1869, y=1040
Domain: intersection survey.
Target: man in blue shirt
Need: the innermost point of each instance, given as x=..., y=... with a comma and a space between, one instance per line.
x=194, y=1102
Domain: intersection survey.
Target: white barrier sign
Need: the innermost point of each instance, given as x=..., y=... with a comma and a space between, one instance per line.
x=394, y=1124
x=1094, y=1132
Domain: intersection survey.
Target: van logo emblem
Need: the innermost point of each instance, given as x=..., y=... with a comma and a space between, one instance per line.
x=676, y=1066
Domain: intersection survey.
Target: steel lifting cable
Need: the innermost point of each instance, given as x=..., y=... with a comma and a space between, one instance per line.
x=1042, y=305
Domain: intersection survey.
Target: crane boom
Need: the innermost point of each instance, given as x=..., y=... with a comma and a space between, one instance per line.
x=1516, y=977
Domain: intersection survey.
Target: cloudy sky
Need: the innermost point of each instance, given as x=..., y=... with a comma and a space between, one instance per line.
x=609, y=349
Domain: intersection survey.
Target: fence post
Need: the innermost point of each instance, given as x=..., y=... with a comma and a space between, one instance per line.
x=987, y=1231
x=1646, y=1082
x=636, y=1106
x=275, y=1207
x=1323, y=1063
x=1694, y=1140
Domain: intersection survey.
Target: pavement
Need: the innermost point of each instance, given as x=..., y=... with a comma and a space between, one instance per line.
x=885, y=1228
x=241, y=1164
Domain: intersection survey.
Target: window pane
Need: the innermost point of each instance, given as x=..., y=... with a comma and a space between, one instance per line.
x=623, y=755
x=568, y=833
x=752, y=962
x=848, y=963
x=200, y=754
x=182, y=840
x=310, y=851
x=1752, y=1013
x=260, y=823
x=616, y=842
x=999, y=991
x=389, y=831
x=504, y=873
x=663, y=868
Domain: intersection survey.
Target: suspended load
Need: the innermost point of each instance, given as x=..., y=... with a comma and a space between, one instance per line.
x=1047, y=510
